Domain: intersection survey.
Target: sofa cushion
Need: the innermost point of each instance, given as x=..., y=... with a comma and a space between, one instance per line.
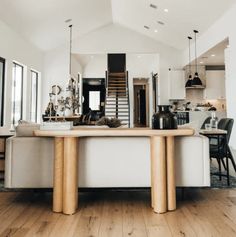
x=193, y=125
x=26, y=129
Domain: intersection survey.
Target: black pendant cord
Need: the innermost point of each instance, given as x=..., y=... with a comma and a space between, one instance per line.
x=70, y=26
x=196, y=66
x=189, y=55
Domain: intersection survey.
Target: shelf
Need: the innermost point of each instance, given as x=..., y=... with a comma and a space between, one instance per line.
x=195, y=87
x=62, y=117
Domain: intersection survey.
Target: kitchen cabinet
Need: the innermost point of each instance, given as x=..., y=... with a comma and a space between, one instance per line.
x=176, y=84
x=215, y=85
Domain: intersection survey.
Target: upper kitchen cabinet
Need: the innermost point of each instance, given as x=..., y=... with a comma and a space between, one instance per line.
x=215, y=85
x=176, y=84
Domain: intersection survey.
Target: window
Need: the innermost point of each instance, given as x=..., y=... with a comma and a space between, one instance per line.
x=94, y=100
x=2, y=80
x=34, y=96
x=17, y=93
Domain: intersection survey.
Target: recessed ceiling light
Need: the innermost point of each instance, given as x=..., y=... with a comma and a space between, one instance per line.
x=161, y=23
x=156, y=31
x=153, y=6
x=166, y=10
x=68, y=20
x=201, y=62
x=139, y=56
x=213, y=55
x=91, y=56
x=147, y=27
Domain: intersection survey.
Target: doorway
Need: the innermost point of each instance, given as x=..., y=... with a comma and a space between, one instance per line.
x=94, y=93
x=141, y=102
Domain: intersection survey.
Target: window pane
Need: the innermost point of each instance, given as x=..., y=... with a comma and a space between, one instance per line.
x=17, y=87
x=94, y=100
x=2, y=72
x=34, y=96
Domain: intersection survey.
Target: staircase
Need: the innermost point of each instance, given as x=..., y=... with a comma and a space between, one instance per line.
x=117, y=97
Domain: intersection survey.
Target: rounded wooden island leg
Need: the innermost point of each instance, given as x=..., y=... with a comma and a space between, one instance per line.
x=158, y=156
x=58, y=174
x=171, y=189
x=70, y=179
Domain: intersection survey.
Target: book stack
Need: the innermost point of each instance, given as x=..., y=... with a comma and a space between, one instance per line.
x=56, y=126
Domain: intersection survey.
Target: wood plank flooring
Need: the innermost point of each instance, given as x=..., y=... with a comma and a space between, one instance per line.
x=203, y=213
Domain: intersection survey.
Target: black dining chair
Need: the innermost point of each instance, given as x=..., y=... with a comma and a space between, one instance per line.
x=206, y=121
x=220, y=148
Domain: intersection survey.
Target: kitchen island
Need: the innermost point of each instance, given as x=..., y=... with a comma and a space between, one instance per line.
x=198, y=117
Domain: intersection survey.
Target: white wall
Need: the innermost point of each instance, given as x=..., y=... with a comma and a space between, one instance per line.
x=112, y=39
x=141, y=66
x=96, y=66
x=14, y=48
x=219, y=31
x=56, y=71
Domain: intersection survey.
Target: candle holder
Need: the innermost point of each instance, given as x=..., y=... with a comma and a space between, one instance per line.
x=56, y=109
x=50, y=107
x=62, y=103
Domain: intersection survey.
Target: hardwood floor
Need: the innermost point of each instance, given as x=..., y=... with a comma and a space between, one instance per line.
x=203, y=213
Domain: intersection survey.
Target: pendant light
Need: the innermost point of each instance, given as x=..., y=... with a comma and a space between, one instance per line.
x=196, y=80
x=190, y=79
x=70, y=26
x=71, y=80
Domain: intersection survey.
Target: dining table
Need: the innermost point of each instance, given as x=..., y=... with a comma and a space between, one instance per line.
x=218, y=134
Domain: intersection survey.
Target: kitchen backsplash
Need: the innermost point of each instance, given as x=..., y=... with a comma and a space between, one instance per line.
x=220, y=105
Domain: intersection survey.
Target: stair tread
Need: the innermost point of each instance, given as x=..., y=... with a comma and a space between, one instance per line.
x=116, y=79
x=120, y=116
x=111, y=80
x=113, y=107
x=123, y=99
x=114, y=104
x=117, y=88
x=118, y=85
x=117, y=74
x=119, y=91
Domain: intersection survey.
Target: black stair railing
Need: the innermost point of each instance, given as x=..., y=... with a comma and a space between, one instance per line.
x=127, y=91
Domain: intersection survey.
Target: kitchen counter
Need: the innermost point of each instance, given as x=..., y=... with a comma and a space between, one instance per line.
x=200, y=116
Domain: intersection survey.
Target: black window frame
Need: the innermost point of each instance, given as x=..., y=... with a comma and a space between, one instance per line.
x=3, y=61
x=37, y=83
x=22, y=98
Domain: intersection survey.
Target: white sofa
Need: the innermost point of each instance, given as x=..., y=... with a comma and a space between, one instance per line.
x=104, y=162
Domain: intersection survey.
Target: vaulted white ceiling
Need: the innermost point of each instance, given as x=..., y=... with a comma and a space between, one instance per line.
x=43, y=22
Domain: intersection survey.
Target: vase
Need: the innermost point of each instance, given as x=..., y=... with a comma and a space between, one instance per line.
x=164, y=119
x=68, y=112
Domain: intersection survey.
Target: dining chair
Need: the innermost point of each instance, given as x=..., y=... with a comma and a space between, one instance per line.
x=206, y=121
x=220, y=150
